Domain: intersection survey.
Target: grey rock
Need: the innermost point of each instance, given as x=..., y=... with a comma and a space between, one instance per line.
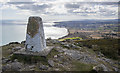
x=81, y=56
x=51, y=63
x=57, y=69
x=55, y=41
x=118, y=63
x=62, y=43
x=67, y=46
x=32, y=66
x=74, y=46
x=4, y=61
x=32, y=69
x=101, y=67
x=100, y=54
x=108, y=60
x=94, y=46
x=43, y=67
x=16, y=48
x=65, y=63
x=60, y=55
x=16, y=66
x=116, y=69
x=59, y=49
x=16, y=60
x=9, y=62
x=6, y=67
x=10, y=56
x=55, y=56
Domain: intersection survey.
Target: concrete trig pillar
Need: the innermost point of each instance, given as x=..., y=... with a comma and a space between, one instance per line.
x=35, y=38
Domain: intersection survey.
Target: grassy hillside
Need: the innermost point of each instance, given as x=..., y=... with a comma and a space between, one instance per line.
x=109, y=47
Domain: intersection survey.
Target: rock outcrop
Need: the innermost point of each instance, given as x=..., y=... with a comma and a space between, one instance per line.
x=60, y=58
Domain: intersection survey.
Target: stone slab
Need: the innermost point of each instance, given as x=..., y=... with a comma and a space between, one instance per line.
x=43, y=52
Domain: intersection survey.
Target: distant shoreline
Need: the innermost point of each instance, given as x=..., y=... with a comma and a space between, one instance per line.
x=68, y=30
x=18, y=35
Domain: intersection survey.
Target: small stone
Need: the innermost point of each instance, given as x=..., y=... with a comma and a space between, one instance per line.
x=51, y=63
x=5, y=61
x=74, y=46
x=16, y=48
x=57, y=69
x=100, y=54
x=31, y=67
x=16, y=60
x=55, y=56
x=59, y=49
x=43, y=67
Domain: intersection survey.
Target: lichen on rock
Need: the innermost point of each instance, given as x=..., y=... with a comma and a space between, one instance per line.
x=33, y=26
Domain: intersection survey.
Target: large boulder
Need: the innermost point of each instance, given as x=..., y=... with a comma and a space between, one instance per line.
x=16, y=66
x=81, y=56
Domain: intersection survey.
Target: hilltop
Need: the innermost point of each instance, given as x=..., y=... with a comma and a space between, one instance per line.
x=67, y=55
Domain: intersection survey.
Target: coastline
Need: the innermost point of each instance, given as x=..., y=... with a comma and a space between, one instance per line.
x=18, y=35
x=68, y=30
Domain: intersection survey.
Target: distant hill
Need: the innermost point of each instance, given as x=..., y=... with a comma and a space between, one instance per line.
x=85, y=23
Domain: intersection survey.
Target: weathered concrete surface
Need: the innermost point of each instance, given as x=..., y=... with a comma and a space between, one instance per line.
x=35, y=39
x=43, y=52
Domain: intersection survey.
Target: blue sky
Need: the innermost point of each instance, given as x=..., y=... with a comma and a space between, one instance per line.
x=59, y=10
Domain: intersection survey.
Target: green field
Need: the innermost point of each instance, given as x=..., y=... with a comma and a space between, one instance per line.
x=73, y=38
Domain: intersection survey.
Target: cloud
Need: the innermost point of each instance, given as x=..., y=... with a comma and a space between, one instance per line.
x=34, y=7
x=72, y=5
x=93, y=8
x=59, y=0
x=21, y=0
x=90, y=8
x=18, y=3
x=30, y=7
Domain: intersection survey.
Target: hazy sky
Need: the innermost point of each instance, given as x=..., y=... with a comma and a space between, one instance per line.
x=57, y=10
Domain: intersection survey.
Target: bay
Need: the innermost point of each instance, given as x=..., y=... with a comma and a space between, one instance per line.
x=17, y=33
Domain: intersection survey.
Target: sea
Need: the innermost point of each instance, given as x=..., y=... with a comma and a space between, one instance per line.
x=16, y=32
